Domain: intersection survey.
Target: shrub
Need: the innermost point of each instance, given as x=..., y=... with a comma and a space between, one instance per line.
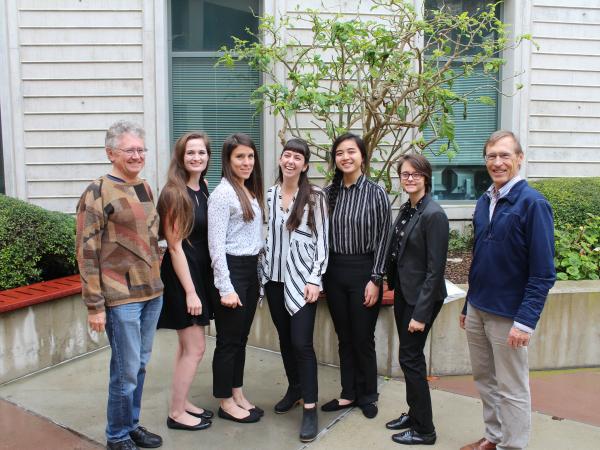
x=35, y=244
x=461, y=242
x=578, y=251
x=572, y=199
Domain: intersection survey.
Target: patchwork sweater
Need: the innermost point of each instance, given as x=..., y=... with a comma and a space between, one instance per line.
x=117, y=244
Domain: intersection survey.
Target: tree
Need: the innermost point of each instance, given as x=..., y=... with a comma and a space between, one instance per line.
x=388, y=76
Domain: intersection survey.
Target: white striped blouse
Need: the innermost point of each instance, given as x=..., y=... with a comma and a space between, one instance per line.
x=297, y=257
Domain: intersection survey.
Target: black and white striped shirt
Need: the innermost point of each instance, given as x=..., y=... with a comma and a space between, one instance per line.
x=361, y=221
x=299, y=257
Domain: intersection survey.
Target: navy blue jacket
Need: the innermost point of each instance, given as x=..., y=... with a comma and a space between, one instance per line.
x=513, y=255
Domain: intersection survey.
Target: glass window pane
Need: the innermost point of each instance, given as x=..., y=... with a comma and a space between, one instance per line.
x=204, y=25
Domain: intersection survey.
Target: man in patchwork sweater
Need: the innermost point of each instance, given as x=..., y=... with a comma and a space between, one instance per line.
x=118, y=258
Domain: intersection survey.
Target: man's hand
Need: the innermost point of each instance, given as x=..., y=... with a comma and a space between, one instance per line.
x=97, y=320
x=231, y=300
x=415, y=326
x=371, y=294
x=518, y=338
x=311, y=293
x=461, y=321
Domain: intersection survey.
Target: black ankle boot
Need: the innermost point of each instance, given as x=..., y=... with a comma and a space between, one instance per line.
x=310, y=425
x=289, y=400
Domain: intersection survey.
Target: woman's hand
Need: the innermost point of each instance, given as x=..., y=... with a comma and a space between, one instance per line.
x=194, y=305
x=371, y=294
x=311, y=293
x=231, y=300
x=414, y=325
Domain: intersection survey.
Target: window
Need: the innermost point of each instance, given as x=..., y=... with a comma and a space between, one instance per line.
x=465, y=177
x=204, y=97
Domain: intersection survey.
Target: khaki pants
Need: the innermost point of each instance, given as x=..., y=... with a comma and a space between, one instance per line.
x=501, y=375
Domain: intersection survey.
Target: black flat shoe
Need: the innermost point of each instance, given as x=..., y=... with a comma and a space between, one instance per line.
x=174, y=425
x=290, y=399
x=145, y=439
x=256, y=410
x=310, y=424
x=206, y=414
x=253, y=417
x=334, y=405
x=369, y=410
x=401, y=423
x=411, y=437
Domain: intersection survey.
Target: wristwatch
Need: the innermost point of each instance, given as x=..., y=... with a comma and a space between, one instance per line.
x=377, y=280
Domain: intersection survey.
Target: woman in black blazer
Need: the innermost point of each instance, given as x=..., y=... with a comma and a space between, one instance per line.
x=416, y=261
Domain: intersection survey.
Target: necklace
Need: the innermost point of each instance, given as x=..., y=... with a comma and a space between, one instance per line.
x=196, y=195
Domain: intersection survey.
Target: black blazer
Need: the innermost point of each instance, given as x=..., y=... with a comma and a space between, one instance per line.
x=418, y=270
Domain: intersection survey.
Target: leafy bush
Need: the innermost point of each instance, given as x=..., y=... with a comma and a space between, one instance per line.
x=572, y=199
x=578, y=251
x=461, y=242
x=35, y=244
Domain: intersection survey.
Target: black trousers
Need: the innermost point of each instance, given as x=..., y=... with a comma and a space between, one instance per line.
x=345, y=282
x=295, y=341
x=412, y=362
x=233, y=326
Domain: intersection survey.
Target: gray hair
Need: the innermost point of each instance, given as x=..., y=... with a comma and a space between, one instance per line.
x=501, y=134
x=118, y=129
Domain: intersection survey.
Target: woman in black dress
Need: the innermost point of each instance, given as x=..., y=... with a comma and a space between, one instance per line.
x=186, y=271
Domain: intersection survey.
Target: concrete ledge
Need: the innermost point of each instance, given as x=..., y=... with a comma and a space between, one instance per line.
x=567, y=335
x=43, y=335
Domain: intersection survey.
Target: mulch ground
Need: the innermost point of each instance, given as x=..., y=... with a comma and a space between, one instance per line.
x=457, y=267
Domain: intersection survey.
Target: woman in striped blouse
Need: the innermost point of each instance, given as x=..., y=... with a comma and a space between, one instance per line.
x=295, y=259
x=359, y=212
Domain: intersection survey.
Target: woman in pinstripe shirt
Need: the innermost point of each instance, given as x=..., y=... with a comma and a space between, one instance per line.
x=295, y=259
x=360, y=219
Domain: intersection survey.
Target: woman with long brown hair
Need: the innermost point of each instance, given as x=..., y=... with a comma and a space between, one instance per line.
x=235, y=211
x=296, y=252
x=186, y=271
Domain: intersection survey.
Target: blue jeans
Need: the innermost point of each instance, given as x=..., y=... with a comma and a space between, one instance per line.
x=130, y=329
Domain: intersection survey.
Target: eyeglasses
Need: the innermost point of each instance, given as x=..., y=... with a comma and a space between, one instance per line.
x=415, y=175
x=503, y=156
x=132, y=151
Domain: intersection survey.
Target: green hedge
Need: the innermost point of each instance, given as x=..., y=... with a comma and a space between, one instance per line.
x=572, y=199
x=35, y=244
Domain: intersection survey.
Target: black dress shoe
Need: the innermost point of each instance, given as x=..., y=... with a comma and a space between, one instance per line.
x=251, y=418
x=290, y=399
x=206, y=414
x=127, y=444
x=412, y=437
x=174, y=425
x=310, y=424
x=369, y=410
x=401, y=423
x=144, y=438
x=334, y=405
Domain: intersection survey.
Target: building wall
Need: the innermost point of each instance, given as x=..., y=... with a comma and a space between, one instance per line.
x=564, y=92
x=70, y=68
x=74, y=68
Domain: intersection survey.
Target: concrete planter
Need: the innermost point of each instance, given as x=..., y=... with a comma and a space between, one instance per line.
x=567, y=336
x=40, y=329
x=44, y=334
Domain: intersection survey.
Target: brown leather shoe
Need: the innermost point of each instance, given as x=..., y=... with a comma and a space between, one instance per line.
x=481, y=444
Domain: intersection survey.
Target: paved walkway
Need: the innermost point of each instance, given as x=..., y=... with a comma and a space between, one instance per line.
x=72, y=396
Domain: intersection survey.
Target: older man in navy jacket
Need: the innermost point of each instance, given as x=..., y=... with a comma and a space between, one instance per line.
x=511, y=274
